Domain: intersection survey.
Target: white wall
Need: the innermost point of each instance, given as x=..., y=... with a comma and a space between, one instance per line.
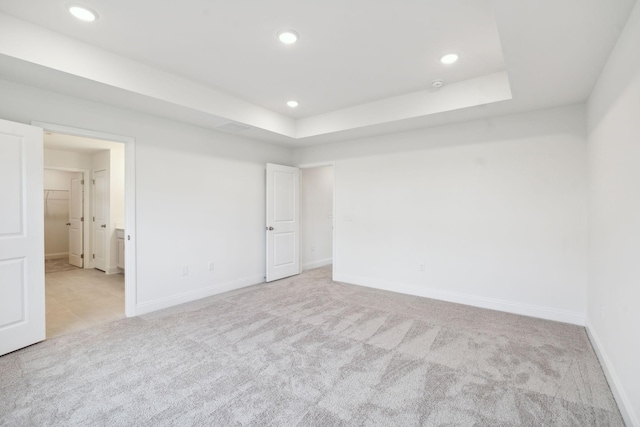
x=316, y=208
x=56, y=213
x=614, y=211
x=67, y=159
x=495, y=209
x=199, y=194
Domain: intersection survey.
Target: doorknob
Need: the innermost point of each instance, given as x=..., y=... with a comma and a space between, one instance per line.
x=104, y=226
x=68, y=223
x=269, y=228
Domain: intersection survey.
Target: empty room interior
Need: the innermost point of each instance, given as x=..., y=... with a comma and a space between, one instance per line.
x=320, y=213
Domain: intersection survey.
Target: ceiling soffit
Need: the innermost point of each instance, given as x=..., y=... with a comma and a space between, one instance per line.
x=466, y=86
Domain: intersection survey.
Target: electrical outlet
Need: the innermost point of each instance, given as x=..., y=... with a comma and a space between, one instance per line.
x=210, y=265
x=185, y=270
x=421, y=267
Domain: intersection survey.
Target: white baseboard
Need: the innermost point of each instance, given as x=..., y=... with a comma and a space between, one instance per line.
x=466, y=299
x=316, y=264
x=626, y=409
x=113, y=270
x=56, y=256
x=159, y=304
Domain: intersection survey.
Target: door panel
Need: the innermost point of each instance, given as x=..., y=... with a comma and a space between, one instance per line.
x=100, y=219
x=75, y=222
x=22, y=310
x=284, y=246
x=283, y=222
x=13, y=289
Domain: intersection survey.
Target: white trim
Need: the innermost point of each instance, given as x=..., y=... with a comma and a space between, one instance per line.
x=130, y=284
x=626, y=409
x=316, y=264
x=113, y=270
x=159, y=304
x=56, y=255
x=315, y=165
x=467, y=299
x=68, y=130
x=130, y=263
x=334, y=252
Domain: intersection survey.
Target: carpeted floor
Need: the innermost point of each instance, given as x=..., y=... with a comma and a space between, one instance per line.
x=306, y=351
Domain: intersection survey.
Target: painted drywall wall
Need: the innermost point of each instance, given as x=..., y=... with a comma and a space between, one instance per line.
x=56, y=213
x=200, y=195
x=67, y=159
x=316, y=219
x=490, y=213
x=614, y=218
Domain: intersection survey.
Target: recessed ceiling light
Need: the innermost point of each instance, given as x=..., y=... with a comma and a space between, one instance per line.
x=83, y=13
x=288, y=36
x=292, y=104
x=449, y=58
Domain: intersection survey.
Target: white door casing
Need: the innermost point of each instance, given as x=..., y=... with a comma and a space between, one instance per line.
x=22, y=302
x=283, y=221
x=76, y=208
x=100, y=219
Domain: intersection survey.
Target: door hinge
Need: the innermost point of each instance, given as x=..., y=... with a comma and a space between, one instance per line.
x=94, y=219
x=94, y=181
x=81, y=256
x=94, y=256
x=81, y=219
x=82, y=182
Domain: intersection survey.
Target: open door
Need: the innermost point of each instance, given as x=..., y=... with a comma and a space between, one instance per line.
x=22, y=303
x=76, y=218
x=100, y=219
x=283, y=221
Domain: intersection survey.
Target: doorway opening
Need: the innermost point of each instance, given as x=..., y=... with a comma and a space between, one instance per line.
x=89, y=275
x=316, y=213
x=64, y=213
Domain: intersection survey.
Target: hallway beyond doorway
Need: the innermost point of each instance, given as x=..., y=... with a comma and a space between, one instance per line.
x=82, y=298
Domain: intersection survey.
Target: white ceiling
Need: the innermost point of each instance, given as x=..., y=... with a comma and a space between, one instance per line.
x=361, y=67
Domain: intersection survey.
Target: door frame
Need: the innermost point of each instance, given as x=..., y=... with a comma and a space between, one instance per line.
x=334, y=253
x=106, y=249
x=273, y=272
x=86, y=209
x=130, y=284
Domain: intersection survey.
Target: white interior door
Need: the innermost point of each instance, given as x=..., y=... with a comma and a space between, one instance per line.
x=100, y=219
x=283, y=221
x=76, y=208
x=22, y=303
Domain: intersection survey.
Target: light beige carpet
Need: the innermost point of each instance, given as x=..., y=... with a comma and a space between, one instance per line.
x=306, y=351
